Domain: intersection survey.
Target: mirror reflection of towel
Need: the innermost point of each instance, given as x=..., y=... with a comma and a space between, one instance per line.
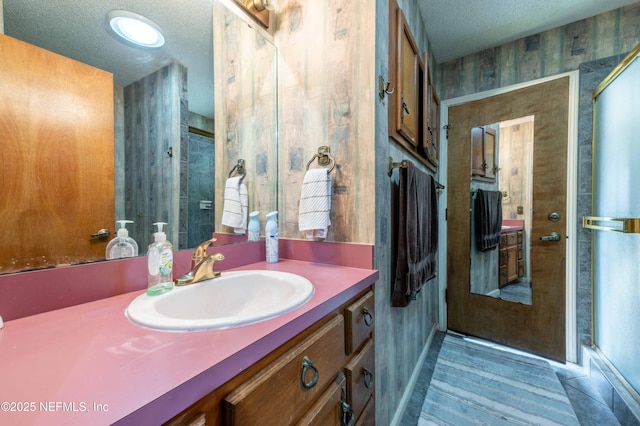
x=236, y=205
x=315, y=203
x=488, y=219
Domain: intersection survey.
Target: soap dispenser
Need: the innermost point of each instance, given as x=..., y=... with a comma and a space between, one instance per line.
x=271, y=237
x=122, y=245
x=160, y=263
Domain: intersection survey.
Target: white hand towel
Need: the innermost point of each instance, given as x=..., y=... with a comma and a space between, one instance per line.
x=236, y=205
x=315, y=203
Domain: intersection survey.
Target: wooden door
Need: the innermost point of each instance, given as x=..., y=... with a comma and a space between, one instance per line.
x=539, y=327
x=56, y=130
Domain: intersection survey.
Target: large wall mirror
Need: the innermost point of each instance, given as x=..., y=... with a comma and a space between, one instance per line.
x=167, y=162
x=500, y=208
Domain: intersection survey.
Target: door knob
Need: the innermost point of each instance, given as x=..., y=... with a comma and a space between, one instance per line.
x=554, y=236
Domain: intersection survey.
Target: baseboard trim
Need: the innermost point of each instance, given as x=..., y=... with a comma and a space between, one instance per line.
x=406, y=396
x=623, y=400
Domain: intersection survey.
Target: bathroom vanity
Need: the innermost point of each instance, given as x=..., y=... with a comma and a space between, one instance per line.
x=511, y=265
x=89, y=364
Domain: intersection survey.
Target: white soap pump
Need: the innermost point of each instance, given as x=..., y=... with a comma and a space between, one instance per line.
x=122, y=245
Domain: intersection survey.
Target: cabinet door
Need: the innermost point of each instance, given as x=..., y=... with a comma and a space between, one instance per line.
x=477, y=152
x=512, y=263
x=489, y=153
x=483, y=153
x=408, y=71
x=432, y=122
x=287, y=388
x=327, y=411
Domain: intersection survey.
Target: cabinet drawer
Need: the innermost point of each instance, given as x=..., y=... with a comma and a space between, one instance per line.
x=360, y=378
x=503, y=241
x=368, y=416
x=277, y=395
x=519, y=237
x=512, y=239
x=327, y=410
x=359, y=321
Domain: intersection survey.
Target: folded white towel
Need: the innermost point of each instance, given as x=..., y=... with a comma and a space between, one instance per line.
x=236, y=205
x=315, y=203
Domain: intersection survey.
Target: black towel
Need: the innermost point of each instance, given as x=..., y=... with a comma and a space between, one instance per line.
x=417, y=234
x=488, y=219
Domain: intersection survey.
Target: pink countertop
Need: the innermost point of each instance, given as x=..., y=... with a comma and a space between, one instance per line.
x=509, y=225
x=87, y=364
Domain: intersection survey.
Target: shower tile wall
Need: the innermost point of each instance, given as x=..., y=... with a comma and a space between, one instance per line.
x=201, y=188
x=154, y=122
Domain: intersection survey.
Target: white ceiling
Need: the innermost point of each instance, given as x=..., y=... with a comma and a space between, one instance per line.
x=77, y=29
x=457, y=28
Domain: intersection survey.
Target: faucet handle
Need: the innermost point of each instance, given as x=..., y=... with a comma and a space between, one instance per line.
x=201, y=252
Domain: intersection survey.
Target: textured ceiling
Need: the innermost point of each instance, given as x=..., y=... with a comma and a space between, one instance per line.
x=457, y=28
x=77, y=29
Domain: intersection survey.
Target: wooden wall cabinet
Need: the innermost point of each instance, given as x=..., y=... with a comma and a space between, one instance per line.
x=511, y=266
x=483, y=154
x=432, y=123
x=315, y=379
x=413, y=104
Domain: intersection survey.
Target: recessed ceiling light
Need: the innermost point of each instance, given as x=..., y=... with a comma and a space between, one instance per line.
x=135, y=29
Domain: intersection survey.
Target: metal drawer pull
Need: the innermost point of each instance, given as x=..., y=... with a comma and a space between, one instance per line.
x=368, y=317
x=368, y=378
x=306, y=365
x=348, y=416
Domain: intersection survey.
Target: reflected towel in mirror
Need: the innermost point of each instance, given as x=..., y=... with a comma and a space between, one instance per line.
x=488, y=219
x=236, y=205
x=315, y=203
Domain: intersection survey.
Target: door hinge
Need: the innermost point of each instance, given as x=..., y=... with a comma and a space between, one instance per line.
x=447, y=127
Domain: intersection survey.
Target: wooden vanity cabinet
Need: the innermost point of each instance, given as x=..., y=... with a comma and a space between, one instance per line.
x=315, y=378
x=511, y=266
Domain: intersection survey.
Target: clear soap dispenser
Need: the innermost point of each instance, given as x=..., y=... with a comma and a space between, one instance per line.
x=122, y=245
x=160, y=263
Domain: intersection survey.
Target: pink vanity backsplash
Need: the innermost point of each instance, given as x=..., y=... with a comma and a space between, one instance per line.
x=30, y=293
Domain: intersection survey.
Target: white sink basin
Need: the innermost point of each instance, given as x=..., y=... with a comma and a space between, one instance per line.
x=235, y=298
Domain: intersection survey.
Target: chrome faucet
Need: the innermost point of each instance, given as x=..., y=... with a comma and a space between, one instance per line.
x=201, y=265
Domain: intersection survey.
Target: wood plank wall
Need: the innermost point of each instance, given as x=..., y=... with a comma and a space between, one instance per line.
x=326, y=97
x=245, y=69
x=548, y=53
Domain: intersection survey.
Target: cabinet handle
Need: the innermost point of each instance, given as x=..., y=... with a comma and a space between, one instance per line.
x=368, y=378
x=348, y=416
x=405, y=107
x=306, y=365
x=368, y=317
